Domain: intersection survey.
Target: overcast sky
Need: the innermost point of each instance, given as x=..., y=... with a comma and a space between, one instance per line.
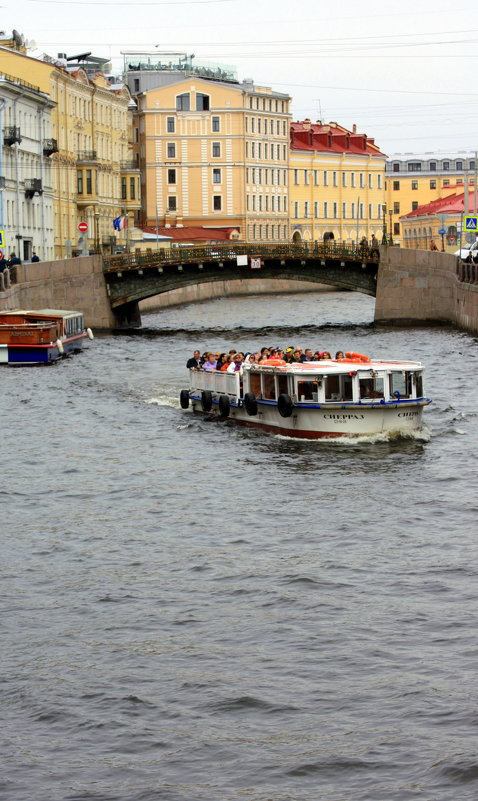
x=405, y=77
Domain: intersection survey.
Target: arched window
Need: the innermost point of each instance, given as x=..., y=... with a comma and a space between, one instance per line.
x=202, y=102
x=183, y=102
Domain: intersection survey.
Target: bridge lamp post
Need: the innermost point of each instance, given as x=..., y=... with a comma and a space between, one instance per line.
x=97, y=231
x=384, y=232
x=391, y=226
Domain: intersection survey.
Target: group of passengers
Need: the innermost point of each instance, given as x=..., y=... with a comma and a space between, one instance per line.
x=234, y=360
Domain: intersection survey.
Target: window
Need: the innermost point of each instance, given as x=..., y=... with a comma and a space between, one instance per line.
x=170, y=124
x=472, y=165
x=306, y=178
x=335, y=210
x=132, y=188
x=296, y=209
x=414, y=184
x=344, y=179
x=316, y=209
x=370, y=181
x=326, y=209
x=396, y=166
x=396, y=208
x=446, y=165
x=338, y=388
x=370, y=211
x=259, y=125
x=296, y=177
x=414, y=166
x=352, y=179
x=316, y=177
x=217, y=202
x=171, y=150
x=379, y=181
x=79, y=182
x=334, y=178
x=361, y=180
x=414, y=205
x=396, y=229
x=182, y=102
x=172, y=203
x=396, y=186
x=89, y=183
x=344, y=211
x=253, y=150
x=326, y=178
x=371, y=388
x=216, y=124
x=306, y=209
x=433, y=184
x=446, y=182
x=136, y=85
x=458, y=165
x=433, y=166
x=401, y=383
x=216, y=150
x=202, y=102
x=216, y=175
x=352, y=210
x=171, y=176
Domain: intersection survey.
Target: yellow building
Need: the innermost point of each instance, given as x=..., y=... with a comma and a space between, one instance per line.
x=440, y=222
x=213, y=152
x=414, y=180
x=93, y=177
x=337, y=184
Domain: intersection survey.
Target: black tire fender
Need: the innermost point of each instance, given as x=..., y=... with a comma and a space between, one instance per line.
x=250, y=404
x=224, y=405
x=184, y=399
x=285, y=405
x=206, y=400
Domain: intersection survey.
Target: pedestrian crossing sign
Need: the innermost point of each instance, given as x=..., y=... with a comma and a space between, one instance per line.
x=471, y=223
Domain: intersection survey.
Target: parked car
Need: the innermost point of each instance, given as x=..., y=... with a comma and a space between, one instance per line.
x=464, y=252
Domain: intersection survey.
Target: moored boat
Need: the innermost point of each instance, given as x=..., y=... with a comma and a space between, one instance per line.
x=40, y=337
x=353, y=396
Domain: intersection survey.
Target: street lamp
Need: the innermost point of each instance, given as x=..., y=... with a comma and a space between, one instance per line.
x=97, y=231
x=391, y=226
x=384, y=232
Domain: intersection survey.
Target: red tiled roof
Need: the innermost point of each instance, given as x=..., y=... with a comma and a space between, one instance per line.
x=332, y=138
x=452, y=204
x=192, y=233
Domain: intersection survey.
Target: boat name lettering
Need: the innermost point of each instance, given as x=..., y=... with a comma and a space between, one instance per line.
x=343, y=417
x=407, y=414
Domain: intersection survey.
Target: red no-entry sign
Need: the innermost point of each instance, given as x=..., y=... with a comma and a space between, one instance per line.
x=83, y=227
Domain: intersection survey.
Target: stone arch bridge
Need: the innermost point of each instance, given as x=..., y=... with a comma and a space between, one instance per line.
x=131, y=278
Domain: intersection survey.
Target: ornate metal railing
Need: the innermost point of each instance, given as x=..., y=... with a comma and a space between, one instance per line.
x=229, y=252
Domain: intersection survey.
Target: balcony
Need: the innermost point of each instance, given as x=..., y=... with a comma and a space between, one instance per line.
x=33, y=186
x=11, y=135
x=87, y=155
x=128, y=166
x=50, y=146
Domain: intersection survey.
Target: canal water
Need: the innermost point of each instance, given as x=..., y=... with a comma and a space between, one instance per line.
x=193, y=611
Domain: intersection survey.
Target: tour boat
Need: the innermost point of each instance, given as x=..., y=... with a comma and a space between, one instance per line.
x=40, y=337
x=349, y=397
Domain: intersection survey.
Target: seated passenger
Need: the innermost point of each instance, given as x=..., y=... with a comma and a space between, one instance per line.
x=195, y=362
x=326, y=355
x=221, y=360
x=340, y=354
x=210, y=363
x=236, y=363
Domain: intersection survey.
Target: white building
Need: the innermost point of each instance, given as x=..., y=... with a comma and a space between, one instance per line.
x=26, y=203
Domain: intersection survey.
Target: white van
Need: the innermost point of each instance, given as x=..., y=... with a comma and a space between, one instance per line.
x=464, y=252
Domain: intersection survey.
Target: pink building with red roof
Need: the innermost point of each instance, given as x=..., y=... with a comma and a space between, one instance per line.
x=422, y=225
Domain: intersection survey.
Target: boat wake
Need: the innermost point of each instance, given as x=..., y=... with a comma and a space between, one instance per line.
x=424, y=435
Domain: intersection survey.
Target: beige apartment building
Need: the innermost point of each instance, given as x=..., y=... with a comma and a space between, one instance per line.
x=92, y=178
x=213, y=152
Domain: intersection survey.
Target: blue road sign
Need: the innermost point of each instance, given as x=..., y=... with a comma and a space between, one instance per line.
x=2, y=239
x=442, y=231
x=470, y=223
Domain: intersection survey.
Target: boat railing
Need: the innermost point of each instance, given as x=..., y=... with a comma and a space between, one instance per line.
x=216, y=381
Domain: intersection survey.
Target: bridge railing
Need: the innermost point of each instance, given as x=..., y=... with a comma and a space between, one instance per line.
x=212, y=253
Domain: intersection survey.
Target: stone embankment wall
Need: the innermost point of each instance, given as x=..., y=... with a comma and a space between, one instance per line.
x=64, y=284
x=419, y=287
x=220, y=289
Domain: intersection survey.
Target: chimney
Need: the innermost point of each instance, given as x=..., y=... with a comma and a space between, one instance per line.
x=354, y=128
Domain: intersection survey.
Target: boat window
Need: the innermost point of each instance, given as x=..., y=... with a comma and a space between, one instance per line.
x=282, y=384
x=269, y=385
x=307, y=390
x=255, y=383
x=401, y=383
x=338, y=388
x=419, y=386
x=371, y=387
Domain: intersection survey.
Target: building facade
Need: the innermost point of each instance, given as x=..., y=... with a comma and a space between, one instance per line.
x=414, y=180
x=336, y=184
x=213, y=152
x=440, y=222
x=93, y=178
